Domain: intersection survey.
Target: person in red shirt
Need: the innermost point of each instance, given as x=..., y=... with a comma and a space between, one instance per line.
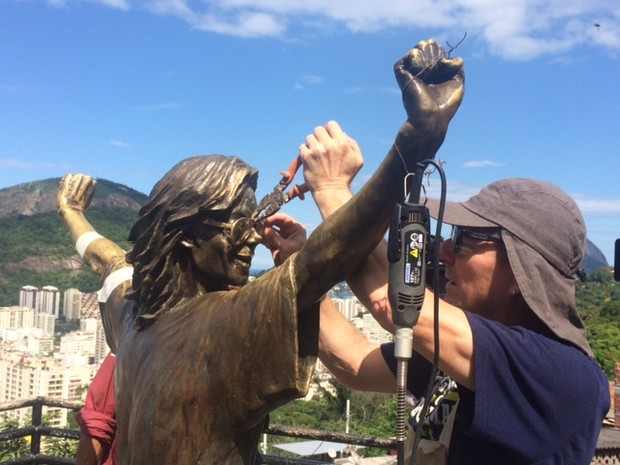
x=97, y=419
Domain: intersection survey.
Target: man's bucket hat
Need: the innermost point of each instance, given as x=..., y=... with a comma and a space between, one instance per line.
x=545, y=238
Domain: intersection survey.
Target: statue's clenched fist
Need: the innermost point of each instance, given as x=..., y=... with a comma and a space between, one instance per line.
x=432, y=86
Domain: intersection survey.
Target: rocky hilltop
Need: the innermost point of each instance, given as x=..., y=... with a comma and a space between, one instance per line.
x=36, y=197
x=37, y=248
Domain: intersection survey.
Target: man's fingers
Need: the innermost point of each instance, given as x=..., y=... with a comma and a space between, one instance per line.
x=334, y=129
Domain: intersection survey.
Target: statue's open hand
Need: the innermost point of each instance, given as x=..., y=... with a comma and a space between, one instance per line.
x=75, y=192
x=432, y=85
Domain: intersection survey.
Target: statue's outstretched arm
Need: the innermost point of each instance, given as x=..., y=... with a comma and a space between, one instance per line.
x=74, y=196
x=332, y=160
x=432, y=86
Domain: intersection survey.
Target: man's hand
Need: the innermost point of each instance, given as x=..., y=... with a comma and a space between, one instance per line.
x=283, y=236
x=75, y=192
x=331, y=158
x=432, y=86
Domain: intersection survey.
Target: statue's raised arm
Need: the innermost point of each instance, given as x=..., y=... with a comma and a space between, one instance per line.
x=432, y=86
x=74, y=196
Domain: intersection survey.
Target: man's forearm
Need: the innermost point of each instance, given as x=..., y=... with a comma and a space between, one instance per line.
x=349, y=356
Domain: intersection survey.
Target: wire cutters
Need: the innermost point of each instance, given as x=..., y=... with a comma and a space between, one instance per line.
x=272, y=202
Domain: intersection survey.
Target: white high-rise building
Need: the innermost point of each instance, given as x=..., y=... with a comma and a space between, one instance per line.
x=350, y=307
x=16, y=317
x=28, y=377
x=48, y=301
x=372, y=329
x=47, y=323
x=78, y=343
x=28, y=296
x=101, y=345
x=42, y=345
x=72, y=304
x=89, y=324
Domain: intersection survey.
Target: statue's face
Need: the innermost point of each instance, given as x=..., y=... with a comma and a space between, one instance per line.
x=221, y=262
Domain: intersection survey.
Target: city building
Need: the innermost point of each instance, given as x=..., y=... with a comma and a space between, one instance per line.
x=31, y=376
x=90, y=305
x=16, y=317
x=48, y=301
x=45, y=322
x=28, y=296
x=72, y=304
x=78, y=345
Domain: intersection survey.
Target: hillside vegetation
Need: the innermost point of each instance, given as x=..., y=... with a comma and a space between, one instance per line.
x=36, y=247
x=37, y=250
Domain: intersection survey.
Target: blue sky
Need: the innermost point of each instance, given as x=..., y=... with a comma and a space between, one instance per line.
x=123, y=89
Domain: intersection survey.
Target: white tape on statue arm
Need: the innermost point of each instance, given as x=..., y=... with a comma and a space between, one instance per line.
x=85, y=240
x=113, y=280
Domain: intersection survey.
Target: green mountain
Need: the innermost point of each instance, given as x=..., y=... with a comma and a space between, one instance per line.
x=36, y=247
x=38, y=251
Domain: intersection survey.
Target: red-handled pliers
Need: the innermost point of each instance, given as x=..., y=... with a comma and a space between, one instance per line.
x=272, y=202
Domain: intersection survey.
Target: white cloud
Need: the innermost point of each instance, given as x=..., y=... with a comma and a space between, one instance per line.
x=118, y=143
x=481, y=164
x=516, y=29
x=244, y=24
x=178, y=8
x=116, y=4
x=308, y=80
x=594, y=206
x=15, y=164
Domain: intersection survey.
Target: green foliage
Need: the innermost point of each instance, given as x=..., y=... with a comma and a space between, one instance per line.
x=598, y=301
x=370, y=415
x=59, y=447
x=36, y=249
x=19, y=448
x=605, y=342
x=13, y=448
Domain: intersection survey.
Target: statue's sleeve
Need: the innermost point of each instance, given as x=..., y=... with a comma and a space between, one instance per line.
x=115, y=283
x=281, y=346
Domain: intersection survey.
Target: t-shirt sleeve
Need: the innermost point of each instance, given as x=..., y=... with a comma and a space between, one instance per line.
x=533, y=394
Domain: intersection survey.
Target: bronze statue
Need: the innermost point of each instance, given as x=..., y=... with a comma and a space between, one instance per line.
x=202, y=357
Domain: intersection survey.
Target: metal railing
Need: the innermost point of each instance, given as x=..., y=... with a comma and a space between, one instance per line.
x=36, y=431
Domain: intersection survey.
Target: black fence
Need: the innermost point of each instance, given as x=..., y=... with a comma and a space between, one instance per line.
x=36, y=431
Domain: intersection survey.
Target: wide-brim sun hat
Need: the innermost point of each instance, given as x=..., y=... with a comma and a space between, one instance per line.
x=544, y=234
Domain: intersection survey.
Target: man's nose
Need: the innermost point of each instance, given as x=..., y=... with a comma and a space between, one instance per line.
x=446, y=251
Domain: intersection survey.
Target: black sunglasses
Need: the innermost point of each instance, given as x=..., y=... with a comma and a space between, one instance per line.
x=237, y=231
x=458, y=232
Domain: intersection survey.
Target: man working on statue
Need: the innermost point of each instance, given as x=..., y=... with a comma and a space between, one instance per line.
x=202, y=357
x=513, y=351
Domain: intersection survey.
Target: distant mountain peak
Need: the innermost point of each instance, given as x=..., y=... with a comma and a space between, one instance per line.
x=36, y=197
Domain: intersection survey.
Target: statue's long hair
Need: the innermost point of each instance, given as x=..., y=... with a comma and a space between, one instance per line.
x=196, y=188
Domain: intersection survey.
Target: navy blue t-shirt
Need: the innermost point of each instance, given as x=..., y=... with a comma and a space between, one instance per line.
x=537, y=400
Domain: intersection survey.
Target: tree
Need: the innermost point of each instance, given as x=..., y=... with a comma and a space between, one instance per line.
x=12, y=448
